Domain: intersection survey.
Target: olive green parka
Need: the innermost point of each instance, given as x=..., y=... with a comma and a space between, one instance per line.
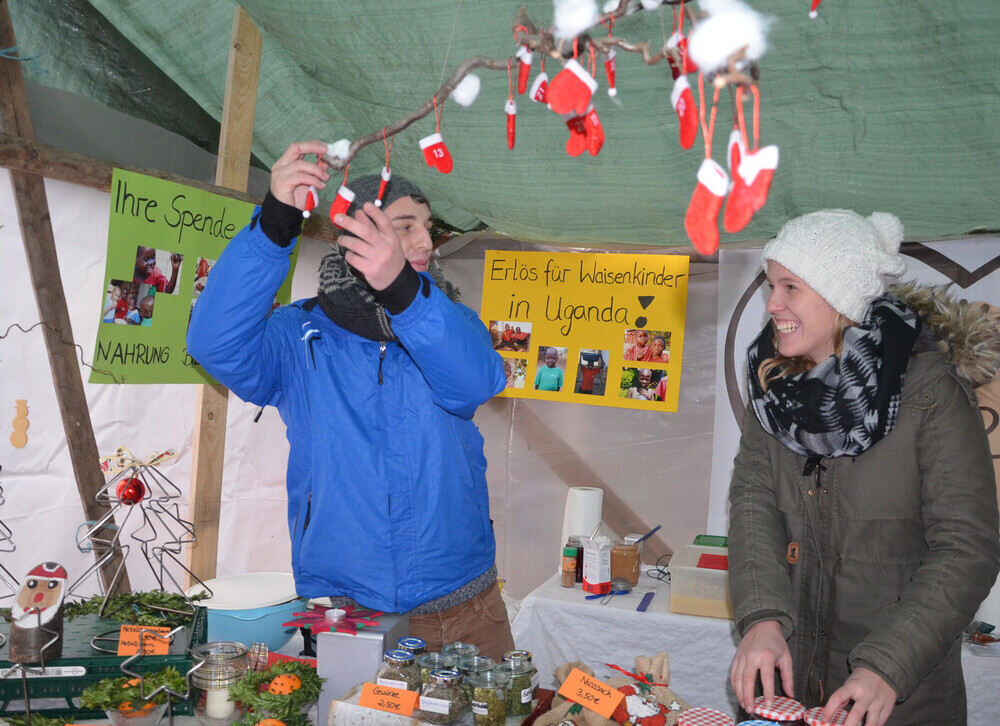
x=881, y=559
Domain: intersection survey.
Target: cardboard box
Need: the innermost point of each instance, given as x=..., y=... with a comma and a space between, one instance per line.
x=346, y=660
x=699, y=582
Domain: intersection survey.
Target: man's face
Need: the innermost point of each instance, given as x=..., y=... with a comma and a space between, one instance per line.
x=412, y=222
x=550, y=359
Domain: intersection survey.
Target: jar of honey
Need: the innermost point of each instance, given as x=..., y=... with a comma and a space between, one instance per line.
x=625, y=562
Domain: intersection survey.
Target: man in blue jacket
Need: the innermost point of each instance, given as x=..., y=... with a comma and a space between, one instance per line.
x=377, y=379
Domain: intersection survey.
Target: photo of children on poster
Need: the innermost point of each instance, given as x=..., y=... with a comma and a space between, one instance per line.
x=163, y=239
x=598, y=329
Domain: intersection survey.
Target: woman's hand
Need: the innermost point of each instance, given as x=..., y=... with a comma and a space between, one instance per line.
x=762, y=649
x=292, y=174
x=871, y=696
x=373, y=247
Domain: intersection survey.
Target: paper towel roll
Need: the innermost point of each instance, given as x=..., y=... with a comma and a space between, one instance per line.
x=583, y=512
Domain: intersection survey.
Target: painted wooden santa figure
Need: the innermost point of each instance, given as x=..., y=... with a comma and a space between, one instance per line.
x=37, y=615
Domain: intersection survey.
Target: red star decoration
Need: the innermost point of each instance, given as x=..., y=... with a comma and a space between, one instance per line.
x=354, y=619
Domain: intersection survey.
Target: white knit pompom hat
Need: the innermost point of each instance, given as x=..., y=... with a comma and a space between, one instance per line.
x=848, y=259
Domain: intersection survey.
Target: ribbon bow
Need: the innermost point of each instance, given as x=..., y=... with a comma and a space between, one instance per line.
x=641, y=678
x=124, y=459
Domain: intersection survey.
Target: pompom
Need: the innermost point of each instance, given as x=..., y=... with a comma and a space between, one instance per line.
x=890, y=229
x=610, y=6
x=339, y=149
x=730, y=26
x=572, y=17
x=467, y=90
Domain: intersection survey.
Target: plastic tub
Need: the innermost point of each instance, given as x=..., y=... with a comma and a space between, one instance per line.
x=699, y=582
x=251, y=608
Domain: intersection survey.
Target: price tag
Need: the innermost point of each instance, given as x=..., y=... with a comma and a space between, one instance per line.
x=592, y=694
x=384, y=698
x=154, y=640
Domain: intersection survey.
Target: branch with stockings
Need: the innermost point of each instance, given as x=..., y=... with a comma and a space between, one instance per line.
x=724, y=46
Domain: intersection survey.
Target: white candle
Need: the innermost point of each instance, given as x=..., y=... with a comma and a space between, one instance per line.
x=218, y=705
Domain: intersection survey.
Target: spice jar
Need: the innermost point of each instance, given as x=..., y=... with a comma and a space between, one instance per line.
x=399, y=671
x=519, y=689
x=568, y=578
x=469, y=666
x=489, y=693
x=625, y=562
x=441, y=700
x=460, y=650
x=428, y=662
x=412, y=644
x=224, y=664
x=578, y=543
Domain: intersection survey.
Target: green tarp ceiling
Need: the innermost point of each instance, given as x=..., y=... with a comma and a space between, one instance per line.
x=876, y=105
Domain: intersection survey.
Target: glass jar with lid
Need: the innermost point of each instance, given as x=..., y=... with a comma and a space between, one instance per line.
x=432, y=661
x=489, y=695
x=399, y=670
x=460, y=650
x=525, y=655
x=224, y=664
x=470, y=665
x=412, y=644
x=442, y=700
x=520, y=690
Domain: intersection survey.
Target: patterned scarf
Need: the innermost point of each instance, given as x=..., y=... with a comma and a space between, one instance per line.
x=350, y=302
x=847, y=403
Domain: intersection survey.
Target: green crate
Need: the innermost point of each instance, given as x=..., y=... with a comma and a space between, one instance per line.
x=81, y=666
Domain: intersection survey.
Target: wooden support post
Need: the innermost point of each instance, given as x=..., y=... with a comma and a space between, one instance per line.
x=232, y=171
x=43, y=264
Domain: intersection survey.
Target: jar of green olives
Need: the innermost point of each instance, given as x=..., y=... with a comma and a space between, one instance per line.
x=399, y=671
x=519, y=688
x=489, y=690
x=428, y=662
x=442, y=700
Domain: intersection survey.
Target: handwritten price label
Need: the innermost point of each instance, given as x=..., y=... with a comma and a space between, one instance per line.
x=384, y=698
x=592, y=694
x=154, y=640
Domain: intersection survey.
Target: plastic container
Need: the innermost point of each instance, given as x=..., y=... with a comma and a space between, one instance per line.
x=251, y=608
x=699, y=582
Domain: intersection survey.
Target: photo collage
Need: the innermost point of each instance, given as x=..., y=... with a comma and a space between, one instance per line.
x=586, y=371
x=133, y=302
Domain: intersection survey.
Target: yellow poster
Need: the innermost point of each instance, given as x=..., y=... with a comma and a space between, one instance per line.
x=602, y=329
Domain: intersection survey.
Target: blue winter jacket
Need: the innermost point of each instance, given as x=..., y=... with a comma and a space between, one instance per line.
x=387, y=497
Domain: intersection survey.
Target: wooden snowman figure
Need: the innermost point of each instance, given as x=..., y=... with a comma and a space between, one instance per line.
x=37, y=615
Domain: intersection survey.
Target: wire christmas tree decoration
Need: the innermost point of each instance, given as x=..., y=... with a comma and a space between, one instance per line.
x=137, y=485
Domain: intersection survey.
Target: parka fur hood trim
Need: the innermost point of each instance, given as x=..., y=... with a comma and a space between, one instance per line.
x=968, y=334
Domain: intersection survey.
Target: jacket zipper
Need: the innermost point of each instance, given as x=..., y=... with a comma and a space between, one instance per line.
x=381, y=357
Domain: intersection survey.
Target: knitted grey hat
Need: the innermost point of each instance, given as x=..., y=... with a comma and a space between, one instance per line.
x=365, y=189
x=846, y=258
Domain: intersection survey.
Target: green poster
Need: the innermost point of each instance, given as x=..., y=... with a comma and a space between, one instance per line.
x=163, y=240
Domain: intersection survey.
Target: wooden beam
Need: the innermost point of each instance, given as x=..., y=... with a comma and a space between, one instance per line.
x=43, y=265
x=29, y=156
x=233, y=171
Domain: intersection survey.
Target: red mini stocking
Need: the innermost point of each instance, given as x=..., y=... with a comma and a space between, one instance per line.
x=701, y=221
x=687, y=111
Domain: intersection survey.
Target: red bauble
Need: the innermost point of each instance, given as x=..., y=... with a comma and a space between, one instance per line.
x=131, y=491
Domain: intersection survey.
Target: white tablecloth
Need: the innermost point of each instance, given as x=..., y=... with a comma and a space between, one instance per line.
x=558, y=625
